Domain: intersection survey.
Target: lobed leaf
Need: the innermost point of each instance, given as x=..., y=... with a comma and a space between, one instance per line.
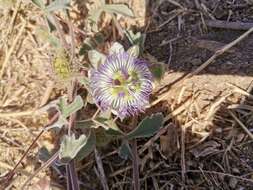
x=58, y=124
x=136, y=39
x=83, y=80
x=70, y=146
x=68, y=109
x=88, y=147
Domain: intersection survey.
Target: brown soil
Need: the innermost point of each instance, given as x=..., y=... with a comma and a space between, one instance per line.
x=203, y=146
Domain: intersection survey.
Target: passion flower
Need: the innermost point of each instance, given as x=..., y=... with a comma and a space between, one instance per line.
x=123, y=83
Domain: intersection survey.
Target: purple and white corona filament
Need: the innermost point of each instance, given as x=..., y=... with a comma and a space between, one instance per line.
x=122, y=83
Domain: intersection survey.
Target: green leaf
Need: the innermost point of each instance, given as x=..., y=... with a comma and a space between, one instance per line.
x=60, y=121
x=87, y=45
x=132, y=37
x=134, y=51
x=118, y=9
x=116, y=48
x=83, y=81
x=99, y=38
x=58, y=5
x=88, y=147
x=147, y=127
x=44, y=154
x=101, y=122
x=96, y=58
x=95, y=14
x=136, y=39
x=89, y=123
x=125, y=151
x=108, y=125
x=85, y=48
x=70, y=146
x=158, y=71
x=52, y=104
x=68, y=109
x=113, y=129
x=58, y=124
x=65, y=109
x=39, y=3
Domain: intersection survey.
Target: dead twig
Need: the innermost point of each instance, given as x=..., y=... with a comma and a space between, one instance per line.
x=14, y=16
x=154, y=138
x=17, y=114
x=176, y=13
x=229, y=25
x=207, y=63
x=101, y=172
x=48, y=91
x=219, y=53
x=176, y=3
x=61, y=33
x=183, y=166
x=241, y=124
x=240, y=90
x=207, y=172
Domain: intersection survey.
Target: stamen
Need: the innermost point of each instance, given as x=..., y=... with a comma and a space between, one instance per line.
x=122, y=83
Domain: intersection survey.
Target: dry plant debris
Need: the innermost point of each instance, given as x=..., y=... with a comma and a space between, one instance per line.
x=205, y=95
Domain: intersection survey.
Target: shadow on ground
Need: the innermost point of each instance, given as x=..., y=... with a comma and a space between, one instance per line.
x=204, y=146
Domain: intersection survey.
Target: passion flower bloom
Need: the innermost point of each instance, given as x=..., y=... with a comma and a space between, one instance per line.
x=123, y=83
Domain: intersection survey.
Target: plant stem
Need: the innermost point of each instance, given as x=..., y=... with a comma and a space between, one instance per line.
x=135, y=165
x=72, y=179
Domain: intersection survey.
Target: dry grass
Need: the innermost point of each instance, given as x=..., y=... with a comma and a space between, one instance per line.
x=206, y=141
x=24, y=80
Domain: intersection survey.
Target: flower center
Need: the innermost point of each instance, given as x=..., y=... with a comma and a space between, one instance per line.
x=125, y=83
x=117, y=82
